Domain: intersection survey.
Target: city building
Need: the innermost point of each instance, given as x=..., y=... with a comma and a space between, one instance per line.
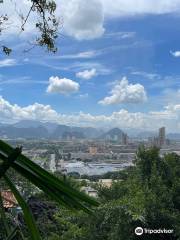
x=60, y=166
x=90, y=191
x=52, y=165
x=124, y=139
x=162, y=136
x=93, y=150
x=9, y=201
x=107, y=182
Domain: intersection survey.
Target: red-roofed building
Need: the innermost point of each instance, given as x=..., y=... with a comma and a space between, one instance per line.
x=9, y=201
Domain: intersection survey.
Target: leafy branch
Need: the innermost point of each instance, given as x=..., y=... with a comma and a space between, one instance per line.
x=47, y=24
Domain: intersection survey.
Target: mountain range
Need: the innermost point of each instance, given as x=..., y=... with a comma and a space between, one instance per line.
x=114, y=134
x=37, y=130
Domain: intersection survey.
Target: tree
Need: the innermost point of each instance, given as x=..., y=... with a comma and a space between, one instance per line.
x=148, y=199
x=47, y=24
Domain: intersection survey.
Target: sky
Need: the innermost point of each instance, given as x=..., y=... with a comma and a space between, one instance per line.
x=117, y=65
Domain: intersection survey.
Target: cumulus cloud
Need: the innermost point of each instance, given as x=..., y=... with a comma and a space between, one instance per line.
x=10, y=112
x=8, y=62
x=83, y=19
x=175, y=54
x=123, y=92
x=62, y=85
x=87, y=74
x=169, y=117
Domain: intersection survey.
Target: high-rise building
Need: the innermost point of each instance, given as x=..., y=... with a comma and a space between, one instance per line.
x=124, y=139
x=52, y=164
x=162, y=136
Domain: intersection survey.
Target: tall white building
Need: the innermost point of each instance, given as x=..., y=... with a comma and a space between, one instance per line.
x=52, y=165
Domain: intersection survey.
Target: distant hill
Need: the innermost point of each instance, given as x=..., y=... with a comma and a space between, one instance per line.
x=27, y=124
x=113, y=134
x=30, y=132
x=34, y=124
x=174, y=136
x=89, y=132
x=146, y=134
x=71, y=135
x=37, y=129
x=59, y=131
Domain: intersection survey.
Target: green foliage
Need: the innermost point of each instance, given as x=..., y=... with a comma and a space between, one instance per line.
x=34, y=233
x=145, y=160
x=116, y=191
x=72, y=225
x=59, y=190
x=148, y=197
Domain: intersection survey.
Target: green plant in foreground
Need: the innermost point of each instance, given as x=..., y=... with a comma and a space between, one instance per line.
x=57, y=189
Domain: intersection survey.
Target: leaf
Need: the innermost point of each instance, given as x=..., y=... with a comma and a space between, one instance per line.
x=50, y=184
x=3, y=215
x=29, y=219
x=54, y=182
x=59, y=196
x=13, y=234
x=9, y=160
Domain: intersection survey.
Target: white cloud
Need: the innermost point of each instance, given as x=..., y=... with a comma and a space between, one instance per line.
x=83, y=19
x=62, y=85
x=120, y=35
x=169, y=117
x=81, y=55
x=14, y=9
x=83, y=65
x=87, y=74
x=175, y=54
x=19, y=80
x=8, y=62
x=123, y=92
x=131, y=7
x=9, y=112
x=150, y=76
x=82, y=96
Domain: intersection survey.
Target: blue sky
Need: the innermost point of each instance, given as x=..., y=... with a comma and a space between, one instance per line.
x=124, y=71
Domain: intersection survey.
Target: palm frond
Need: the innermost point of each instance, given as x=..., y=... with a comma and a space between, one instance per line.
x=29, y=219
x=57, y=189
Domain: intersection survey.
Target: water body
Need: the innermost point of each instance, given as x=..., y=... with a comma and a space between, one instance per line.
x=94, y=168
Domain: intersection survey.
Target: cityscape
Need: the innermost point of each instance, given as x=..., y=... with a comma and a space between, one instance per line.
x=74, y=153
x=89, y=120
